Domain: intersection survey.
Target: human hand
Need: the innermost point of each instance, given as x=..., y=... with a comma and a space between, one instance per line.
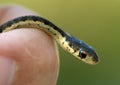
x=27, y=56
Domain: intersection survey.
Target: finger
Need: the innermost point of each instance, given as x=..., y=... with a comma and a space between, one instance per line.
x=33, y=51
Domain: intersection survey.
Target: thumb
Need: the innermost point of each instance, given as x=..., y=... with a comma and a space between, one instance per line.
x=34, y=52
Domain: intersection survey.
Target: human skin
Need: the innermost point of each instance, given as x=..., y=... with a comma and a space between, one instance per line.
x=28, y=56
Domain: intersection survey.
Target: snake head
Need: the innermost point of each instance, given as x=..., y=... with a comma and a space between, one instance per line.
x=82, y=51
x=87, y=54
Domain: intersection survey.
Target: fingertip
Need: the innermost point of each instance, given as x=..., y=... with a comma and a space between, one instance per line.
x=11, y=11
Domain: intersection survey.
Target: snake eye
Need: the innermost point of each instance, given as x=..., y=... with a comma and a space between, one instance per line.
x=82, y=54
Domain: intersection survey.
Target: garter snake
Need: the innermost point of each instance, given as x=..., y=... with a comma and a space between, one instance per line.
x=72, y=45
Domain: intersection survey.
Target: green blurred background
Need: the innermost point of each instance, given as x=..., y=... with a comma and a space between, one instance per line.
x=95, y=21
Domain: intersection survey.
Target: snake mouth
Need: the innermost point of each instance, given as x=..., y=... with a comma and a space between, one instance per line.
x=90, y=60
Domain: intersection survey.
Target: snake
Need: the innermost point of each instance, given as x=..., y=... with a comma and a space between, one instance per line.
x=70, y=44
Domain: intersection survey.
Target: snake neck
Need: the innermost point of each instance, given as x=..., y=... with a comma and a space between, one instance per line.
x=33, y=22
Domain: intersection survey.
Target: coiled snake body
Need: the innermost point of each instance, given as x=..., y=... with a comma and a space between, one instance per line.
x=69, y=43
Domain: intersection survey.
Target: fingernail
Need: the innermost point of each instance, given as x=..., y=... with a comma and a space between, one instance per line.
x=7, y=69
